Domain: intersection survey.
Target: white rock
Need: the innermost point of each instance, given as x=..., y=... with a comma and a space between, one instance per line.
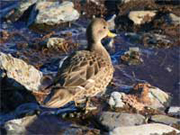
x=116, y=99
x=52, y=13
x=134, y=49
x=159, y=98
x=146, y=129
x=18, y=126
x=138, y=16
x=55, y=42
x=174, y=110
x=111, y=22
x=18, y=70
x=174, y=19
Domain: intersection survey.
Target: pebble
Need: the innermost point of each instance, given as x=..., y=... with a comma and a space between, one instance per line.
x=116, y=100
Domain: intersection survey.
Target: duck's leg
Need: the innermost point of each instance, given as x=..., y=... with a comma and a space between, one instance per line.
x=79, y=101
x=86, y=104
x=88, y=107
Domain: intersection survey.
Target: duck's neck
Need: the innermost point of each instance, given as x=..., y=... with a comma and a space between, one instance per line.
x=100, y=49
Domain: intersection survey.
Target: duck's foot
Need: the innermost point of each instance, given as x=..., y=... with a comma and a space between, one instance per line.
x=85, y=104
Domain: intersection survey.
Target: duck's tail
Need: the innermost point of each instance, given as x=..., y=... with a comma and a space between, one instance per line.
x=58, y=97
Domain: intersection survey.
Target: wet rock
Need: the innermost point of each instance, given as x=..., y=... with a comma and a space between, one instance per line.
x=144, y=95
x=115, y=100
x=45, y=124
x=7, y=10
x=174, y=111
x=59, y=44
x=111, y=22
x=132, y=57
x=80, y=130
x=19, y=9
x=55, y=42
x=93, y=8
x=19, y=72
x=141, y=17
x=146, y=129
x=156, y=40
x=164, y=119
x=126, y=1
x=53, y=13
x=133, y=37
x=159, y=99
x=111, y=120
x=174, y=19
x=26, y=109
x=18, y=126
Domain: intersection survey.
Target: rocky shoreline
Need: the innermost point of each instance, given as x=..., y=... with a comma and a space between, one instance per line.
x=37, y=35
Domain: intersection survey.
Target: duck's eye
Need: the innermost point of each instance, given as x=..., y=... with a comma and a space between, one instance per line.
x=104, y=27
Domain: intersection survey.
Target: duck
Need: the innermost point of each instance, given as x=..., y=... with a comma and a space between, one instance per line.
x=84, y=73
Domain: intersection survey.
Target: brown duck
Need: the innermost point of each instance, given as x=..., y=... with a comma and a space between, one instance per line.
x=84, y=73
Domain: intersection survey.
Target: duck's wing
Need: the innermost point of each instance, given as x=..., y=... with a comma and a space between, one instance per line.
x=78, y=68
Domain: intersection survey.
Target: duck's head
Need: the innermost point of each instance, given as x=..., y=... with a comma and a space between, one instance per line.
x=97, y=30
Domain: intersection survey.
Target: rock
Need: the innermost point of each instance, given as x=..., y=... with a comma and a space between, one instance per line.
x=167, y=2
x=174, y=111
x=18, y=126
x=164, y=119
x=19, y=72
x=174, y=19
x=132, y=57
x=133, y=37
x=7, y=10
x=116, y=99
x=45, y=124
x=159, y=99
x=26, y=109
x=19, y=9
x=53, y=13
x=111, y=120
x=55, y=42
x=80, y=130
x=59, y=44
x=126, y=1
x=151, y=96
x=144, y=95
x=111, y=22
x=141, y=17
x=146, y=129
x=156, y=40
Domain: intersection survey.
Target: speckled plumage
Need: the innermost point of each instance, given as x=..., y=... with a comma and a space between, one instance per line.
x=84, y=73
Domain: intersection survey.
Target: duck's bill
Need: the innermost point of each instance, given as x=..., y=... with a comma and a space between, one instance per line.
x=110, y=34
